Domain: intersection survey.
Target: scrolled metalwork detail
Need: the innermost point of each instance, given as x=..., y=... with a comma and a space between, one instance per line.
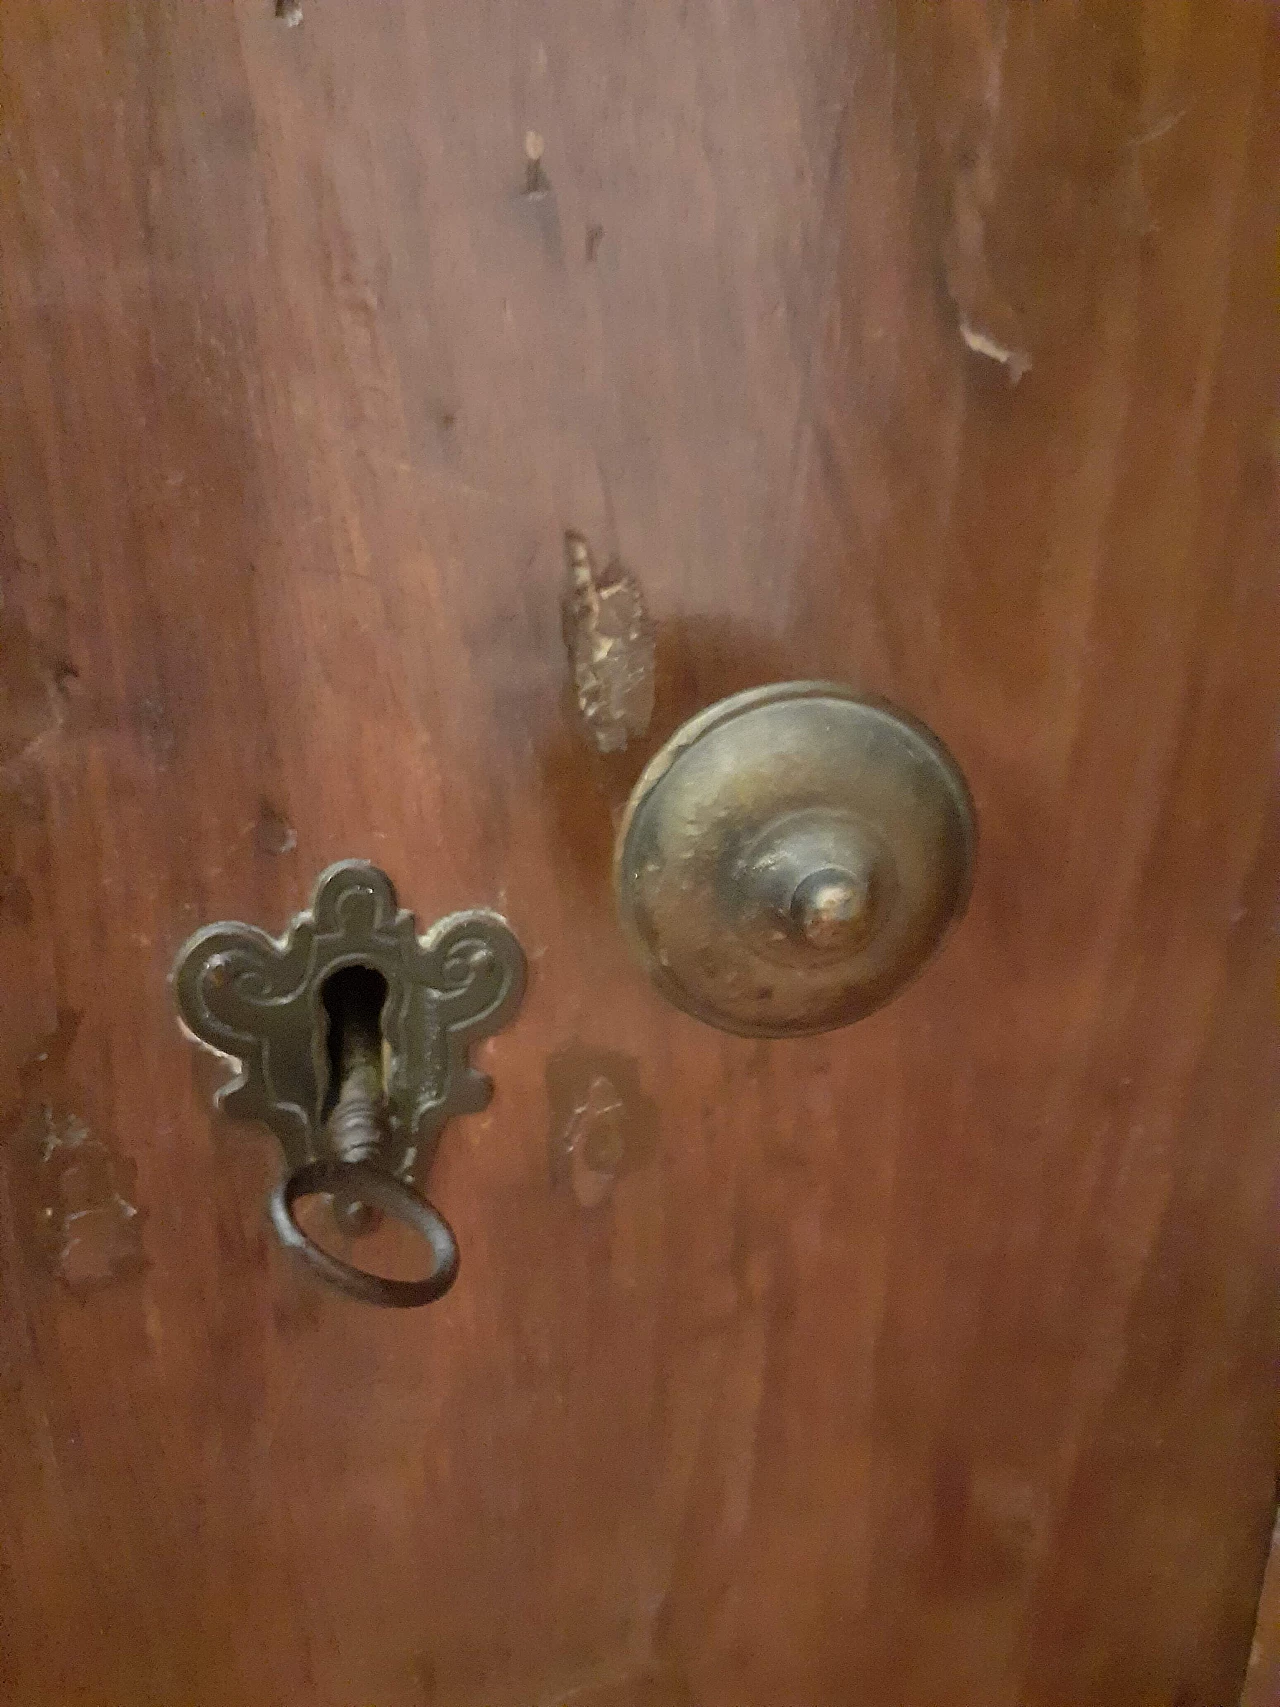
x=259, y=1001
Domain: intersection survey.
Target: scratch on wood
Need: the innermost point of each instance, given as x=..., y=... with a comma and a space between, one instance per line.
x=1161, y=127
x=610, y=641
x=982, y=344
x=988, y=324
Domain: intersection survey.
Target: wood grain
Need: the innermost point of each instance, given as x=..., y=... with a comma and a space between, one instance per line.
x=930, y=1364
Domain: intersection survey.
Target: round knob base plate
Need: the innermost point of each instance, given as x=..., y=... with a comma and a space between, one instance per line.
x=792, y=857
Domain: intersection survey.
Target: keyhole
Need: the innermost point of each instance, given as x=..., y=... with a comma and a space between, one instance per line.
x=353, y=999
x=354, y=1105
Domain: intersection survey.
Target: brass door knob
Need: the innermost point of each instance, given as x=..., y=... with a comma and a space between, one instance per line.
x=792, y=857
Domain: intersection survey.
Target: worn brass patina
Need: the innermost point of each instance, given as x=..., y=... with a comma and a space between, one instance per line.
x=792, y=857
x=357, y=1089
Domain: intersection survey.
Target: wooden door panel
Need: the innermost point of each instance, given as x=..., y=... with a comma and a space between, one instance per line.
x=927, y=348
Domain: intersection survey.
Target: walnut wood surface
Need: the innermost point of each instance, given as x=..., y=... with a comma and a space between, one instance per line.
x=930, y=1364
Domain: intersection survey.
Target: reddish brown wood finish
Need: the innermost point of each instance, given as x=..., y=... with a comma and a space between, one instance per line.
x=927, y=1364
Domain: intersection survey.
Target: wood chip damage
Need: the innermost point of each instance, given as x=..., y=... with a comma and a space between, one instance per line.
x=609, y=638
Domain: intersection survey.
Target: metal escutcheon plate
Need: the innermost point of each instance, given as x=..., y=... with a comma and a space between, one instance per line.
x=792, y=857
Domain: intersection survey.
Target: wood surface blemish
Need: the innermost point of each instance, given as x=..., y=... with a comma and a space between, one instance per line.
x=981, y=343
x=75, y=1199
x=39, y=1072
x=592, y=1142
x=536, y=182
x=272, y=832
x=537, y=197
x=603, y=1125
x=988, y=324
x=611, y=645
x=289, y=12
x=595, y=237
x=32, y=689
